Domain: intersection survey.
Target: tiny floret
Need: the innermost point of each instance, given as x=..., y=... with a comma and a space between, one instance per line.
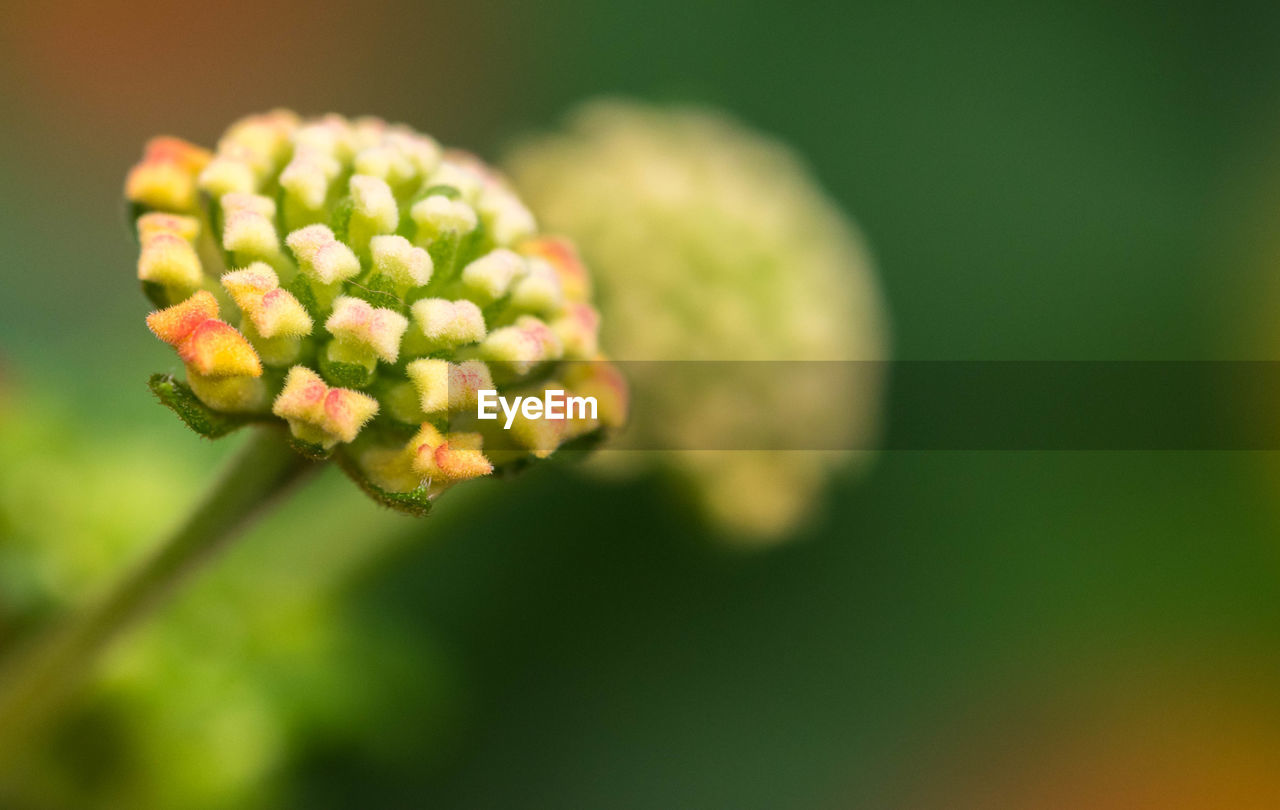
x=320, y=414
x=165, y=180
x=206, y=345
x=168, y=256
x=400, y=262
x=321, y=256
x=356, y=321
x=447, y=324
x=489, y=277
x=438, y=214
x=523, y=345
x=273, y=311
x=248, y=225
x=452, y=457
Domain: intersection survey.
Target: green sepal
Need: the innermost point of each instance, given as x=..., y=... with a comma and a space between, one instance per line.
x=311, y=450
x=379, y=292
x=346, y=375
x=178, y=397
x=156, y=294
x=415, y=503
x=300, y=287
x=340, y=219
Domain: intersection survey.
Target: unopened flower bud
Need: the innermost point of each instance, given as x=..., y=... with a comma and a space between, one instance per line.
x=361, y=330
x=401, y=263
x=319, y=414
x=523, y=345
x=488, y=278
x=437, y=215
x=165, y=180
x=168, y=256
x=446, y=386
x=446, y=324
x=450, y=457
x=248, y=228
x=321, y=256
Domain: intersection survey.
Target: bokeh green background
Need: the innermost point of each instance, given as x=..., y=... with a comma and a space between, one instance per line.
x=1058, y=181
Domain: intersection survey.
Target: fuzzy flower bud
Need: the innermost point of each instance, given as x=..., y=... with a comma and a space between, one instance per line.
x=168, y=257
x=361, y=330
x=709, y=242
x=165, y=180
x=367, y=276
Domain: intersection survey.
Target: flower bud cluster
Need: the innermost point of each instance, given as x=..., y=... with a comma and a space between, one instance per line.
x=360, y=283
x=712, y=242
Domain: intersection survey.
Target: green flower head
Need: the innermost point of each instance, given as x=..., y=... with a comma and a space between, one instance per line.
x=356, y=282
x=711, y=242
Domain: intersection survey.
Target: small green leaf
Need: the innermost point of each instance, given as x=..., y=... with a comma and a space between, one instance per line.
x=379, y=292
x=415, y=503
x=346, y=375
x=178, y=397
x=310, y=450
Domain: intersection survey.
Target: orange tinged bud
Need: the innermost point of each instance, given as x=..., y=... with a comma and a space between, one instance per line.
x=166, y=176
x=320, y=414
x=451, y=458
x=175, y=323
x=206, y=345
x=564, y=259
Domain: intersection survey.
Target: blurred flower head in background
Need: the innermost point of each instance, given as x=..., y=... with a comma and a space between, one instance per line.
x=712, y=242
x=372, y=284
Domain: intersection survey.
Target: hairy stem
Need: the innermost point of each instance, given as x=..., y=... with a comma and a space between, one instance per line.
x=44, y=673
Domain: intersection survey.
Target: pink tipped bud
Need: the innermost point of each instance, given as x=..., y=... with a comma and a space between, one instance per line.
x=320, y=414
x=170, y=260
x=228, y=175
x=307, y=177
x=398, y=260
x=274, y=312
x=450, y=458
x=216, y=349
x=605, y=382
x=563, y=258
x=449, y=324
x=522, y=345
x=173, y=324
x=444, y=386
x=373, y=206
x=356, y=322
x=168, y=256
x=156, y=223
x=321, y=256
x=489, y=277
x=206, y=345
x=438, y=215
x=248, y=225
x=166, y=176
x=579, y=330
x=539, y=290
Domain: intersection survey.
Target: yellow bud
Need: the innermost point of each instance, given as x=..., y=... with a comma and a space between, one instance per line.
x=321, y=256
x=355, y=321
x=319, y=414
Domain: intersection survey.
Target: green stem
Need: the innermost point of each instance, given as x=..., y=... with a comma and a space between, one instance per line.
x=32, y=688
